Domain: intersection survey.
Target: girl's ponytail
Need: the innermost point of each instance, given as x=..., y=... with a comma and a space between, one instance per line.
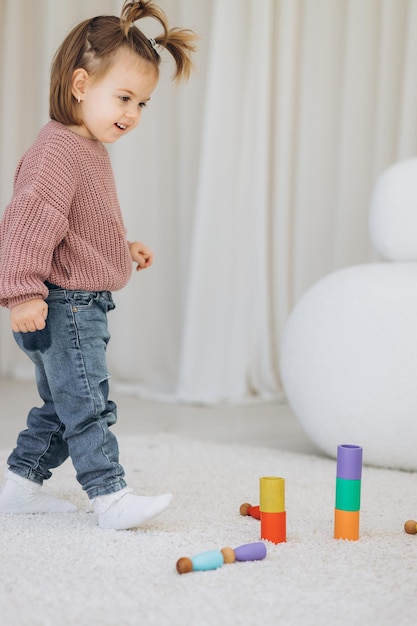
x=179, y=42
x=133, y=11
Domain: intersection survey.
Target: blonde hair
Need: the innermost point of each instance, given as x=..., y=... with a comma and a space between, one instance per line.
x=92, y=44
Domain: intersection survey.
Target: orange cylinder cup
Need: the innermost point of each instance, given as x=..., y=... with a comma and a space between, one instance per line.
x=274, y=527
x=346, y=525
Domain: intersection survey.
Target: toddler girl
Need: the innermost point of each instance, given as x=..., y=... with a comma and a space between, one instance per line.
x=63, y=250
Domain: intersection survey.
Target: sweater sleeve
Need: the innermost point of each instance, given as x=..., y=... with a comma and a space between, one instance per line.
x=35, y=222
x=29, y=233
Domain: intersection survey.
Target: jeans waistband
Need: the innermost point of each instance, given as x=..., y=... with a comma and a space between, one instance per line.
x=51, y=285
x=78, y=294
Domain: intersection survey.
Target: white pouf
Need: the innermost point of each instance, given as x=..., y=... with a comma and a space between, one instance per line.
x=393, y=212
x=349, y=362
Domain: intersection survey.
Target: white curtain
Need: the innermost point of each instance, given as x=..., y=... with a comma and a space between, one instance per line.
x=251, y=182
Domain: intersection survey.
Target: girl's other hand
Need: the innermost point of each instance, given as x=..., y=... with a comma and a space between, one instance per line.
x=141, y=255
x=29, y=316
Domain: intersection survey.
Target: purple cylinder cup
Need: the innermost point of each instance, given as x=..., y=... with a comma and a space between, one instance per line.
x=349, y=462
x=251, y=552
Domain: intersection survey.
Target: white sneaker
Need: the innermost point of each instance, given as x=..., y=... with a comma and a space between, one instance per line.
x=21, y=495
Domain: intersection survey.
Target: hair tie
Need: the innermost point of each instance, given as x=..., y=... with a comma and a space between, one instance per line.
x=152, y=42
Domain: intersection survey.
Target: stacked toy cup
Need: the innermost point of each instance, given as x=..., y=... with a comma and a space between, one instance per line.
x=348, y=492
x=272, y=509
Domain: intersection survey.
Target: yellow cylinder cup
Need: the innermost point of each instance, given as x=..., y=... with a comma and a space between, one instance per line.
x=272, y=494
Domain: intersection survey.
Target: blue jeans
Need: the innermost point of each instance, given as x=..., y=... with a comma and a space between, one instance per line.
x=72, y=379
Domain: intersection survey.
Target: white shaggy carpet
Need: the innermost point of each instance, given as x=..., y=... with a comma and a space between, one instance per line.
x=60, y=570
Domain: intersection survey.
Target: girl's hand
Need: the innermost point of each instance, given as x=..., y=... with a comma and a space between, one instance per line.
x=141, y=255
x=29, y=316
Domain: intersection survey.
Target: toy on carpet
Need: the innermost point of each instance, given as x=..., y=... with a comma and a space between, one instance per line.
x=213, y=559
x=248, y=509
x=410, y=527
x=272, y=509
x=348, y=492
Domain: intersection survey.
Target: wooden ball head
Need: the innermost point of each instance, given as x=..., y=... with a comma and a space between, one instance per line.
x=184, y=565
x=410, y=527
x=244, y=508
x=228, y=555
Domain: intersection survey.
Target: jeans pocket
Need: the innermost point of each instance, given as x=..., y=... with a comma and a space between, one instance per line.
x=37, y=341
x=82, y=301
x=85, y=300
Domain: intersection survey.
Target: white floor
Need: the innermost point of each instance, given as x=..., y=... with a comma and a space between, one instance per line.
x=272, y=425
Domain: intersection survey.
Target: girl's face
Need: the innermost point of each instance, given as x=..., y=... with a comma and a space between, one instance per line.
x=111, y=106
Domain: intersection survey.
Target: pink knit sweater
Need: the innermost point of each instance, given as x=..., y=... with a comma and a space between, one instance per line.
x=63, y=223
